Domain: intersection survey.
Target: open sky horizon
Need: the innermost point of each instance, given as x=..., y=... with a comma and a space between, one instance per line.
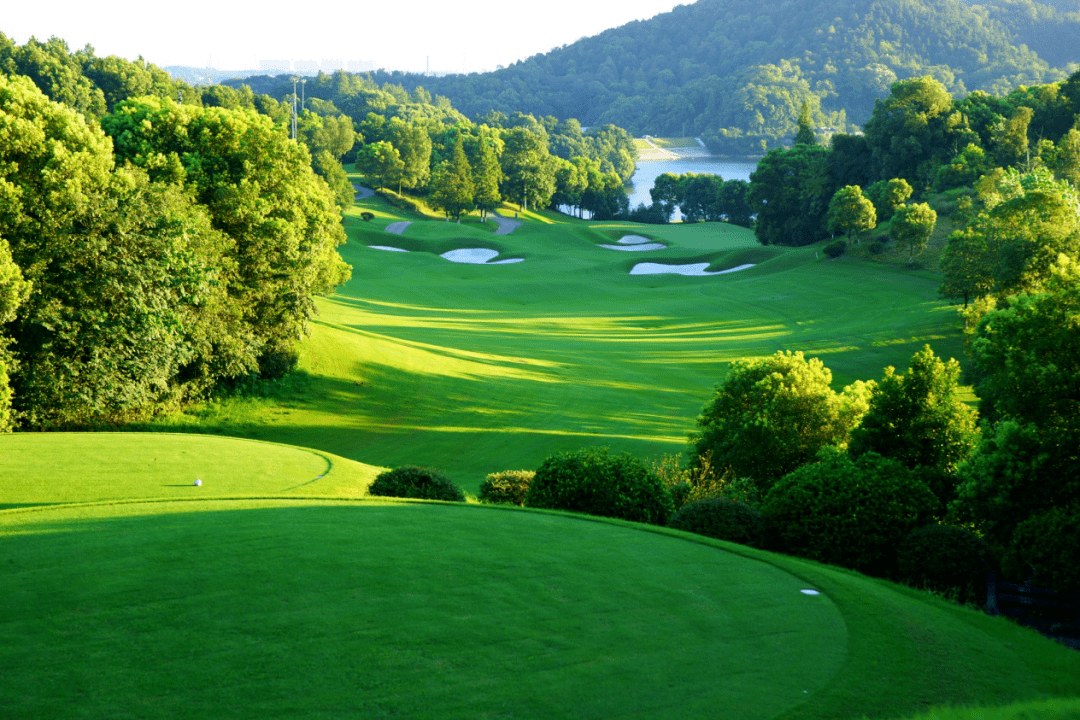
x=410, y=35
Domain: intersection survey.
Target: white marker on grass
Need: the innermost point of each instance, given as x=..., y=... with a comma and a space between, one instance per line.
x=198, y=483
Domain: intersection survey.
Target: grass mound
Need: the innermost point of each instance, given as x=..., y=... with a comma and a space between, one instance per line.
x=52, y=468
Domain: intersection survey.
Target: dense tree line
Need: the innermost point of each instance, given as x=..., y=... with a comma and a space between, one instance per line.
x=150, y=250
x=736, y=73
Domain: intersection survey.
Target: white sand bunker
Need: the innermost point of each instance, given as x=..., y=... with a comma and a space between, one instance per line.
x=633, y=240
x=691, y=269
x=639, y=247
x=387, y=247
x=477, y=256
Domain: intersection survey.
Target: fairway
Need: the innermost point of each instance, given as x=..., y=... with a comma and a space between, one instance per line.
x=481, y=368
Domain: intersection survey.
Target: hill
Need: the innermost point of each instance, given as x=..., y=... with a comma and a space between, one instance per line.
x=739, y=67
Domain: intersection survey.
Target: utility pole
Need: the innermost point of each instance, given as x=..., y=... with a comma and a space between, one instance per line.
x=294, y=107
x=303, y=82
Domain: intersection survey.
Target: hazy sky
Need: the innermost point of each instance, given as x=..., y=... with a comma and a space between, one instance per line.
x=229, y=35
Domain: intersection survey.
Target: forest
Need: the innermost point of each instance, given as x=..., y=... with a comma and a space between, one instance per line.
x=736, y=73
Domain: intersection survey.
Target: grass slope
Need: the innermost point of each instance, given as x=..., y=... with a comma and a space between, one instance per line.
x=316, y=608
x=476, y=369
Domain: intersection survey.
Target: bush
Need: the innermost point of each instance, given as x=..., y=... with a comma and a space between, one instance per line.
x=835, y=249
x=680, y=493
x=416, y=482
x=1047, y=547
x=878, y=246
x=508, y=487
x=945, y=558
x=846, y=512
x=367, y=216
x=721, y=518
x=594, y=482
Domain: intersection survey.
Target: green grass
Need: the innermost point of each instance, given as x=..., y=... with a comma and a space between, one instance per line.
x=53, y=468
x=278, y=589
x=322, y=607
x=1057, y=709
x=477, y=369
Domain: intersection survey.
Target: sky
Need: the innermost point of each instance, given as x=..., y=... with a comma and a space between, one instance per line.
x=474, y=36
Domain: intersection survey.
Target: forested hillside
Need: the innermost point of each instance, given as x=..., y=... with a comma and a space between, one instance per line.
x=737, y=72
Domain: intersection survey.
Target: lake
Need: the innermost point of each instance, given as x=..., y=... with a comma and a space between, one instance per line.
x=648, y=170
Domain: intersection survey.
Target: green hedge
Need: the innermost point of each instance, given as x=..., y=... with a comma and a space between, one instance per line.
x=508, y=487
x=595, y=482
x=721, y=518
x=416, y=482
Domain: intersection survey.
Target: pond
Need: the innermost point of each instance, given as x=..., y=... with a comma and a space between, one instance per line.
x=648, y=170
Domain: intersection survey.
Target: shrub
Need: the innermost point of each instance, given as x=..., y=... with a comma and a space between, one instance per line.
x=680, y=493
x=945, y=558
x=508, y=487
x=367, y=216
x=835, y=249
x=846, y=512
x=877, y=247
x=416, y=482
x=594, y=482
x=721, y=518
x=1047, y=546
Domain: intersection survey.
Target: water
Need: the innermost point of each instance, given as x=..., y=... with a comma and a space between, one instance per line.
x=648, y=170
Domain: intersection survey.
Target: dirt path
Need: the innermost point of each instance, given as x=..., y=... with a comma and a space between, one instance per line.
x=506, y=225
x=362, y=193
x=398, y=227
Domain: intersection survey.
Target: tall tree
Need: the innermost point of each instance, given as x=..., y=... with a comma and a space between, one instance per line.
x=260, y=190
x=452, y=187
x=912, y=226
x=528, y=172
x=486, y=176
x=805, y=135
x=790, y=192
x=414, y=147
x=850, y=212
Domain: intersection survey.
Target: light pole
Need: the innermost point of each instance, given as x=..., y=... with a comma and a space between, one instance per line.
x=303, y=82
x=294, y=107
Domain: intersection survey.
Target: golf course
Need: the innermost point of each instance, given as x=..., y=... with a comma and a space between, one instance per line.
x=227, y=561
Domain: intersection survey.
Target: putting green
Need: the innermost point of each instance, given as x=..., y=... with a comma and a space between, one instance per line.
x=50, y=468
x=323, y=609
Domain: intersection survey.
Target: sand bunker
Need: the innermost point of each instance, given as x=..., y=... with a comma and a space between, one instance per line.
x=808, y=591
x=387, y=247
x=633, y=240
x=691, y=269
x=477, y=256
x=636, y=248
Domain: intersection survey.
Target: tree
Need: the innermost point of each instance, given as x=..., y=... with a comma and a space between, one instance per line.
x=850, y=212
x=770, y=416
x=452, y=188
x=912, y=226
x=888, y=195
x=912, y=130
x=733, y=203
x=700, y=198
x=13, y=293
x=381, y=162
x=1010, y=138
x=805, y=135
x=414, y=148
x=917, y=420
x=260, y=190
x=667, y=190
x=486, y=176
x=967, y=266
x=528, y=171
x=1027, y=221
x=789, y=193
x=129, y=307
x=571, y=181
x=1026, y=371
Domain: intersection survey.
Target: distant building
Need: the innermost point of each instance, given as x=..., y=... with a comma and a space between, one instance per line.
x=306, y=67
x=331, y=65
x=272, y=67
x=360, y=65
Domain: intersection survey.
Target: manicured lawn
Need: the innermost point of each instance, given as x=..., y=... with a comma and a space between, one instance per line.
x=477, y=369
x=328, y=608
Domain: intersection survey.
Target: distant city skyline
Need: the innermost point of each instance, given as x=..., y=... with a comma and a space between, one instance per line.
x=409, y=35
